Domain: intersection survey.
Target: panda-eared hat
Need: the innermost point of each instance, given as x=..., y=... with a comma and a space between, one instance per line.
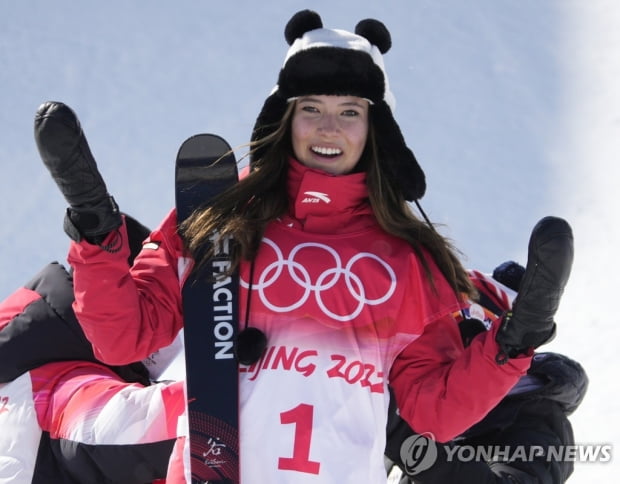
x=337, y=62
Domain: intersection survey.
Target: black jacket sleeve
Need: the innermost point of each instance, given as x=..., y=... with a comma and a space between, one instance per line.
x=536, y=418
x=44, y=329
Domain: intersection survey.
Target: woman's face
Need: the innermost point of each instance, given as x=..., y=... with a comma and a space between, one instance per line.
x=329, y=132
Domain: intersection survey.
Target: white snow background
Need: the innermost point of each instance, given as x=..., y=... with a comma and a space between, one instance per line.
x=512, y=108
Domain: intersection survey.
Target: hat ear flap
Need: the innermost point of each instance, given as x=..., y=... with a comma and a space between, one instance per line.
x=300, y=23
x=268, y=121
x=399, y=161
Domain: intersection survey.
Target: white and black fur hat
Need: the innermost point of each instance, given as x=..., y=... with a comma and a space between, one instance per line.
x=337, y=62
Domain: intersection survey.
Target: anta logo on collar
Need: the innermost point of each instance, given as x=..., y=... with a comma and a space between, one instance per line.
x=316, y=197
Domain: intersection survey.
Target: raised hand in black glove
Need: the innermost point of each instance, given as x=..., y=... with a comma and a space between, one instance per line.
x=92, y=212
x=530, y=322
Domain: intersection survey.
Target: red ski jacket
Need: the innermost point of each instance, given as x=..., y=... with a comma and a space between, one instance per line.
x=346, y=308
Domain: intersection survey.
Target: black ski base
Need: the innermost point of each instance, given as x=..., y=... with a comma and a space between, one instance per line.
x=205, y=166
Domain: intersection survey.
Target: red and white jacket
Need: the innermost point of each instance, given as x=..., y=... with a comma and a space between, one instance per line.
x=346, y=309
x=64, y=416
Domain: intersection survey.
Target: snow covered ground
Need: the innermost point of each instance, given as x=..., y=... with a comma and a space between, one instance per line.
x=511, y=107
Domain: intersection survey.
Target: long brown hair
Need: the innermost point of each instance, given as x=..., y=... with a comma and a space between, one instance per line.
x=395, y=215
x=244, y=211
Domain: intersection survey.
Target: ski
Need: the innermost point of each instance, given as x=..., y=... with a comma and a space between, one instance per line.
x=205, y=166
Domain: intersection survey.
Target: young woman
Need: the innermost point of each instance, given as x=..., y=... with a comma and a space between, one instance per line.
x=349, y=287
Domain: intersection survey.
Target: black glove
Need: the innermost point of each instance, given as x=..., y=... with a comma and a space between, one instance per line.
x=530, y=322
x=92, y=212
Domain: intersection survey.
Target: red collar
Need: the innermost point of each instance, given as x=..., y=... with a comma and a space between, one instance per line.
x=324, y=203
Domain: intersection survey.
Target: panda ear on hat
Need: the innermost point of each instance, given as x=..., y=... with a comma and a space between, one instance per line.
x=300, y=23
x=376, y=32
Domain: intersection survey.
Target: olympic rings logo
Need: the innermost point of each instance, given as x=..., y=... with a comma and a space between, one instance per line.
x=324, y=282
